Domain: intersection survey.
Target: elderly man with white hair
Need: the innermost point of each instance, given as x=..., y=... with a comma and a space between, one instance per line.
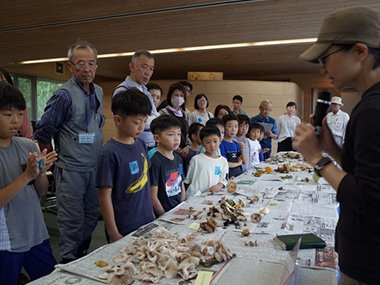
x=337, y=120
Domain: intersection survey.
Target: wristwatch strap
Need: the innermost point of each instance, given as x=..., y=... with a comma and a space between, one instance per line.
x=321, y=164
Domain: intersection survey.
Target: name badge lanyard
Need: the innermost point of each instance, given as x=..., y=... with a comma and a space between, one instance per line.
x=90, y=108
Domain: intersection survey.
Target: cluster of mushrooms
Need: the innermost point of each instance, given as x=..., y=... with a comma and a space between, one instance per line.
x=164, y=254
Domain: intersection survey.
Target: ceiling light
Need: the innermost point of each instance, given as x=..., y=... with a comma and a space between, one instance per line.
x=186, y=49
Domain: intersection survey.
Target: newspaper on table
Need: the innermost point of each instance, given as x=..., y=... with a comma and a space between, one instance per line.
x=86, y=266
x=322, y=227
x=291, y=205
x=315, y=276
x=319, y=258
x=259, y=271
x=59, y=277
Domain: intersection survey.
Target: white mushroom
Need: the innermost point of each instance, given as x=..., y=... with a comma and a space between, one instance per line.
x=187, y=270
x=104, y=276
x=148, y=277
x=120, y=258
x=120, y=280
x=171, y=269
x=164, y=255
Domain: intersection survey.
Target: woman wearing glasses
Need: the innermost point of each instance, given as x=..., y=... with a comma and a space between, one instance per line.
x=348, y=49
x=200, y=115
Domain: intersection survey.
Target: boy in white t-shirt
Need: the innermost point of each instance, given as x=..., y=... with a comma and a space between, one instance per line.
x=254, y=145
x=214, y=122
x=208, y=171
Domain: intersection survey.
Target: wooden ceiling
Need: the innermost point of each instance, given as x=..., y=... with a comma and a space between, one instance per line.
x=44, y=29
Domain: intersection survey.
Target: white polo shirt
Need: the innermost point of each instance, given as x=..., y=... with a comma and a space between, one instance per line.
x=287, y=126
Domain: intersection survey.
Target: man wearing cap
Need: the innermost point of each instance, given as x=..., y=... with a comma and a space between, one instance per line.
x=337, y=120
x=348, y=49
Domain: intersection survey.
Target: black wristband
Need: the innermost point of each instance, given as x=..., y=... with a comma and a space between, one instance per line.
x=321, y=164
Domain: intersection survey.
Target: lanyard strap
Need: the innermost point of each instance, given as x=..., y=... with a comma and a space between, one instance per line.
x=90, y=108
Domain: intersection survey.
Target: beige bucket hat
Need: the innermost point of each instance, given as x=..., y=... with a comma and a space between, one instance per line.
x=346, y=26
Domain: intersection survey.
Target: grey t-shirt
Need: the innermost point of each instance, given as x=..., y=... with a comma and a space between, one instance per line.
x=21, y=221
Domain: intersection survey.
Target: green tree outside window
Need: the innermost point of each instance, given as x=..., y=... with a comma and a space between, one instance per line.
x=37, y=92
x=45, y=90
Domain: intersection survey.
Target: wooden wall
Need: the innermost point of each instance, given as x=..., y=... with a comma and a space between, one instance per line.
x=253, y=92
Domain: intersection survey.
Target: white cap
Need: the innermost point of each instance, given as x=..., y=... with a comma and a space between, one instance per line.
x=337, y=100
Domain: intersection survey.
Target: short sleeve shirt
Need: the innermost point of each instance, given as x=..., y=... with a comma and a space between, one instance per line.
x=231, y=151
x=22, y=224
x=168, y=176
x=125, y=169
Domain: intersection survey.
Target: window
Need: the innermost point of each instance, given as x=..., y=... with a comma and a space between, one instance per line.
x=45, y=89
x=25, y=86
x=37, y=92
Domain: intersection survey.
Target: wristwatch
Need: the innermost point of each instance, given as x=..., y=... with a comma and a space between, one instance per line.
x=321, y=164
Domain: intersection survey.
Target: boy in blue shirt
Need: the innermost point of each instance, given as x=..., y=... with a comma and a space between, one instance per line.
x=166, y=172
x=231, y=149
x=122, y=169
x=24, y=240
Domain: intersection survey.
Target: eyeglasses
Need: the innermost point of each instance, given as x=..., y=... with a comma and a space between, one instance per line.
x=322, y=59
x=82, y=65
